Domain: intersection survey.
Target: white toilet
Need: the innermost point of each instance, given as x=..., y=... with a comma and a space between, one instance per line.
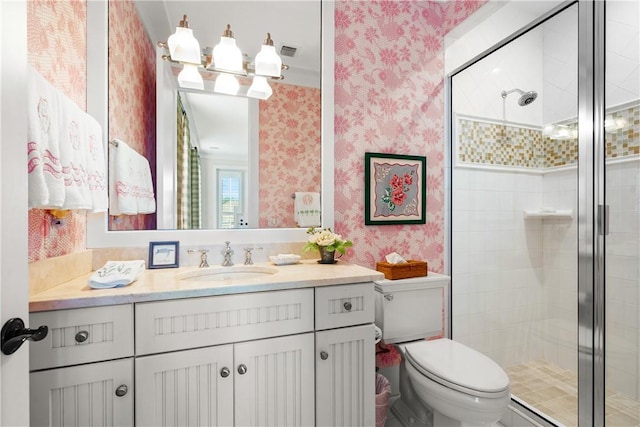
x=442, y=383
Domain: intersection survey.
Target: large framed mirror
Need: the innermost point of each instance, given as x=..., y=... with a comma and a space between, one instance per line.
x=272, y=228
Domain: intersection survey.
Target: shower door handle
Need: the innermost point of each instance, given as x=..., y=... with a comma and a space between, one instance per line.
x=603, y=220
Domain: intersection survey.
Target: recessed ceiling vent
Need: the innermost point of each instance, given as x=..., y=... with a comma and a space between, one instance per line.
x=288, y=51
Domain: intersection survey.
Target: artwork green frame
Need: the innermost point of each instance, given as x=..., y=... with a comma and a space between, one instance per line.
x=395, y=189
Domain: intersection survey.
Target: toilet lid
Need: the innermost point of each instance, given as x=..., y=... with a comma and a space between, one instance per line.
x=457, y=366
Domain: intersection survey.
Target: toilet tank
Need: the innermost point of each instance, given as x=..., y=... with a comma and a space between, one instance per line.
x=410, y=309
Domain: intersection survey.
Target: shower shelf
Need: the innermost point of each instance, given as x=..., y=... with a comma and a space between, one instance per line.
x=556, y=214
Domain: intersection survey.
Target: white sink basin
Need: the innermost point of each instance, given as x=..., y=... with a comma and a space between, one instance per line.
x=226, y=273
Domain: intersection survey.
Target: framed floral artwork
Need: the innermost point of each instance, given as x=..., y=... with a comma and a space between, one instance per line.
x=395, y=189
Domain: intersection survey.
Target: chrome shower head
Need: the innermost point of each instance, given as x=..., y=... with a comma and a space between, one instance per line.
x=526, y=98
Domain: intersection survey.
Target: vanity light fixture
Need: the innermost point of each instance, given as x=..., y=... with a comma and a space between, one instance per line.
x=190, y=78
x=226, y=60
x=226, y=84
x=260, y=88
x=184, y=48
x=267, y=61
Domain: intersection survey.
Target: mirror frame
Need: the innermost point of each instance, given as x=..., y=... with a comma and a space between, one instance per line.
x=98, y=234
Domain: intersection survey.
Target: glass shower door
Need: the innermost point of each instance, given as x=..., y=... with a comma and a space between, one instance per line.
x=622, y=195
x=514, y=213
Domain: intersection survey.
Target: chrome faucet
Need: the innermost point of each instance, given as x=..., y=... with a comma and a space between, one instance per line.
x=247, y=255
x=203, y=256
x=226, y=253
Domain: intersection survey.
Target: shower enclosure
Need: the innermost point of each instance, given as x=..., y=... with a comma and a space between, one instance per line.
x=545, y=212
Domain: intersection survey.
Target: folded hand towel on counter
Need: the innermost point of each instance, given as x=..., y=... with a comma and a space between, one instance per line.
x=46, y=184
x=306, y=209
x=116, y=273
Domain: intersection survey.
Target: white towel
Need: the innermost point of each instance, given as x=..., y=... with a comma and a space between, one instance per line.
x=46, y=184
x=130, y=184
x=73, y=154
x=307, y=209
x=96, y=166
x=116, y=273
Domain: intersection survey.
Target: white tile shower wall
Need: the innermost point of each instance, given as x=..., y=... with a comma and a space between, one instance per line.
x=623, y=277
x=560, y=277
x=497, y=264
x=515, y=281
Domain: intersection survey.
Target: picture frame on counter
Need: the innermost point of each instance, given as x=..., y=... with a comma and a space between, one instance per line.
x=164, y=254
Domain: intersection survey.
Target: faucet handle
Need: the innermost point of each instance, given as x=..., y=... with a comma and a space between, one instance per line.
x=203, y=256
x=247, y=255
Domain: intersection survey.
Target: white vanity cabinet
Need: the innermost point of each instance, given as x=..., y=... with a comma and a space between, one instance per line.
x=257, y=356
x=345, y=357
x=298, y=357
x=84, y=385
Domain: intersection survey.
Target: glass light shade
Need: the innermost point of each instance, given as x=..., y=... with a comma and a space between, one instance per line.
x=183, y=47
x=226, y=55
x=227, y=84
x=260, y=88
x=190, y=77
x=267, y=61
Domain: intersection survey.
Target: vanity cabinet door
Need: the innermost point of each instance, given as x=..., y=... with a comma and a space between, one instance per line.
x=274, y=381
x=192, y=387
x=96, y=394
x=345, y=377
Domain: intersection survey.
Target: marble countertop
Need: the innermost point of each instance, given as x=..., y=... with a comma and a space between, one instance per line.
x=163, y=284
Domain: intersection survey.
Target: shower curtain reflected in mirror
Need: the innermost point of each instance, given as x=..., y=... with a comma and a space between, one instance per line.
x=188, y=175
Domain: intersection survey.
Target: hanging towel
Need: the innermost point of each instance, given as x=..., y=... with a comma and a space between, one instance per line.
x=96, y=166
x=73, y=155
x=46, y=184
x=307, y=209
x=116, y=273
x=130, y=184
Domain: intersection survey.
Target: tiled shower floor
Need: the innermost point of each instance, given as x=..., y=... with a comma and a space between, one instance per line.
x=553, y=390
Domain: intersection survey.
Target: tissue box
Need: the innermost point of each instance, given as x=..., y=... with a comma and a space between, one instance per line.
x=412, y=268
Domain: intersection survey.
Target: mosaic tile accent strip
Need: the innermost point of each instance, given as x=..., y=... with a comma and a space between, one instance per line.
x=560, y=152
x=494, y=144
x=625, y=141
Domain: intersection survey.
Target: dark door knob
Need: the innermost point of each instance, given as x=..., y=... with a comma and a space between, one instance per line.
x=14, y=334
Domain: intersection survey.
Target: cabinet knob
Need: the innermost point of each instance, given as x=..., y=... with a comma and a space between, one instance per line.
x=324, y=355
x=347, y=306
x=224, y=372
x=82, y=336
x=122, y=390
x=242, y=369
x=388, y=297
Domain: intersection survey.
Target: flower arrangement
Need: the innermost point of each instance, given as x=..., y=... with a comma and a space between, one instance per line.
x=326, y=239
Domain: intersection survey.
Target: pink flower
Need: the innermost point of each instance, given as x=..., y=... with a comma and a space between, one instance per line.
x=396, y=182
x=389, y=57
x=398, y=196
x=408, y=179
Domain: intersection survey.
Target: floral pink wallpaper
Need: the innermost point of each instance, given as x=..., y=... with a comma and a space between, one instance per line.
x=57, y=46
x=289, y=151
x=132, y=95
x=389, y=98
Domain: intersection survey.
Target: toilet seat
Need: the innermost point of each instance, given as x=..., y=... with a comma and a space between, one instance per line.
x=458, y=367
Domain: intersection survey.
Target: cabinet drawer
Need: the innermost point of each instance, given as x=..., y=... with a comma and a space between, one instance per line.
x=82, y=335
x=198, y=322
x=346, y=305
